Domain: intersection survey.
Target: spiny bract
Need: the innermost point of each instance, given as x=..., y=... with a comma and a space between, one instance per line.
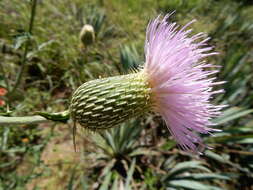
x=104, y=103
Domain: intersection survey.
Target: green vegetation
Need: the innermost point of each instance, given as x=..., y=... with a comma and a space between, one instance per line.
x=42, y=62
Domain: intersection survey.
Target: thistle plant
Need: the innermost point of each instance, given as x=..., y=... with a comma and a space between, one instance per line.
x=174, y=82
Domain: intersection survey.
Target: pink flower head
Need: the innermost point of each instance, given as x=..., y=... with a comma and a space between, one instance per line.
x=180, y=80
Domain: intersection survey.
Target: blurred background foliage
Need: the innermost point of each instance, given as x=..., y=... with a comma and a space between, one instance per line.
x=140, y=154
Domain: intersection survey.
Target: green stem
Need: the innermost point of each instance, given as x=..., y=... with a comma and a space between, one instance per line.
x=24, y=57
x=22, y=120
x=42, y=117
x=33, y=10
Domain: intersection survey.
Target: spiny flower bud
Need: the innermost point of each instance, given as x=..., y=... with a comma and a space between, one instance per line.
x=175, y=82
x=104, y=103
x=87, y=35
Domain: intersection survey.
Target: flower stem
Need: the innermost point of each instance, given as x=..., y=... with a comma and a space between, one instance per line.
x=24, y=57
x=42, y=117
x=22, y=120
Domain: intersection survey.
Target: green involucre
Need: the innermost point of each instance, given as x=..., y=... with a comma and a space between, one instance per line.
x=104, y=103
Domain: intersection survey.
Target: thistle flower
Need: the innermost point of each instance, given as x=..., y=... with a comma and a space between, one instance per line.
x=175, y=82
x=87, y=35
